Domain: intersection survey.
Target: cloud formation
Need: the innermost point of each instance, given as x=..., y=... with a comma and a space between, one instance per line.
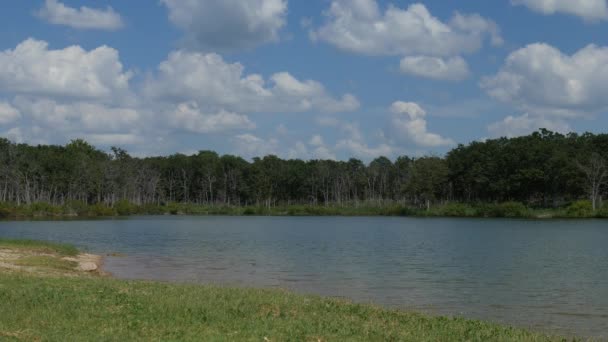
x=8, y=113
x=409, y=120
x=451, y=69
x=32, y=68
x=539, y=79
x=189, y=117
x=586, y=9
x=514, y=126
x=214, y=83
x=57, y=13
x=360, y=26
x=226, y=25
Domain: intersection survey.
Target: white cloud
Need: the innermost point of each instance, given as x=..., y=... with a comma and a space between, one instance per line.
x=78, y=116
x=453, y=68
x=218, y=25
x=249, y=145
x=31, y=68
x=316, y=149
x=540, y=79
x=8, y=113
x=514, y=126
x=360, y=26
x=188, y=116
x=362, y=150
x=212, y=82
x=111, y=139
x=58, y=13
x=409, y=120
x=586, y=9
x=316, y=141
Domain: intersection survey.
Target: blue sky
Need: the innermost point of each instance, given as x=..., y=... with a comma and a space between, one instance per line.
x=300, y=79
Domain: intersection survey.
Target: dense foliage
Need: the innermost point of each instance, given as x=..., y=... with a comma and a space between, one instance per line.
x=544, y=169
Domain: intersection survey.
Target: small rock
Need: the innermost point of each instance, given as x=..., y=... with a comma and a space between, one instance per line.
x=87, y=267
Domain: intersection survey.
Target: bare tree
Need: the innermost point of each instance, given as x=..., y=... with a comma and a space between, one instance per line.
x=597, y=176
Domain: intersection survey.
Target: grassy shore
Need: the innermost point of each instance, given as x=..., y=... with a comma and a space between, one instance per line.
x=47, y=305
x=579, y=209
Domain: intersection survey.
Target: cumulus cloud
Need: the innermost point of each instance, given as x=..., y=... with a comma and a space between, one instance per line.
x=249, y=145
x=114, y=139
x=8, y=113
x=189, y=117
x=409, y=120
x=219, y=25
x=360, y=26
x=78, y=116
x=31, y=68
x=514, y=126
x=586, y=9
x=362, y=150
x=209, y=80
x=453, y=68
x=540, y=79
x=315, y=149
x=58, y=13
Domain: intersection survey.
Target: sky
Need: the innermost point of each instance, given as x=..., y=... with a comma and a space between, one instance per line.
x=314, y=79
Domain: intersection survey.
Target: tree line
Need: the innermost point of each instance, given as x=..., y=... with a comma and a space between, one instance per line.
x=544, y=169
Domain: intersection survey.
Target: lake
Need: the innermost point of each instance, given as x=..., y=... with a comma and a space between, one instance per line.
x=550, y=276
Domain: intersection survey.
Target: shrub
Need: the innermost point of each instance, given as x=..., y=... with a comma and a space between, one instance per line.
x=76, y=207
x=125, y=208
x=580, y=209
x=5, y=213
x=513, y=209
x=603, y=212
x=101, y=210
x=456, y=210
x=153, y=209
x=43, y=209
x=249, y=212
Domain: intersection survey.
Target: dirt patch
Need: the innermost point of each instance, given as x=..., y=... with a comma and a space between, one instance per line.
x=19, y=260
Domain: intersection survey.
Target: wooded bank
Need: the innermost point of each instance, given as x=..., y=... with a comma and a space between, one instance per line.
x=542, y=170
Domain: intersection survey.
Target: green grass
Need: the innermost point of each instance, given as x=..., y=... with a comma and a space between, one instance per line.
x=103, y=309
x=48, y=262
x=45, y=307
x=40, y=247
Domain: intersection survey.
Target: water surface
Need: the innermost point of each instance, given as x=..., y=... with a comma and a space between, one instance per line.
x=551, y=276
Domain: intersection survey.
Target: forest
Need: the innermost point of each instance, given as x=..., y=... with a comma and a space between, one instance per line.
x=541, y=170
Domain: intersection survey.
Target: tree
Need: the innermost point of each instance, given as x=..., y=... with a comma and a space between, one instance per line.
x=597, y=175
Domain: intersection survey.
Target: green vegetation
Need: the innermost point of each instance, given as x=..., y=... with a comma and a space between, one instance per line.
x=578, y=209
x=91, y=309
x=44, y=261
x=544, y=171
x=39, y=247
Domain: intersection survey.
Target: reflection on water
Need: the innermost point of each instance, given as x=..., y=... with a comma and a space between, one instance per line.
x=547, y=275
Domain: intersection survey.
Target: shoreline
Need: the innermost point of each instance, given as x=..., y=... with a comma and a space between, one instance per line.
x=108, y=306
x=80, y=210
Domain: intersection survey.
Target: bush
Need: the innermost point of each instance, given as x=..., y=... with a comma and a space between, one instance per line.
x=507, y=209
x=249, y=212
x=456, y=210
x=78, y=208
x=101, y=210
x=5, y=213
x=43, y=209
x=603, y=212
x=125, y=208
x=153, y=209
x=513, y=209
x=580, y=209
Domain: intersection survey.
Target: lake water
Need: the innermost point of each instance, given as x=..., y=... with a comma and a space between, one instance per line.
x=550, y=276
